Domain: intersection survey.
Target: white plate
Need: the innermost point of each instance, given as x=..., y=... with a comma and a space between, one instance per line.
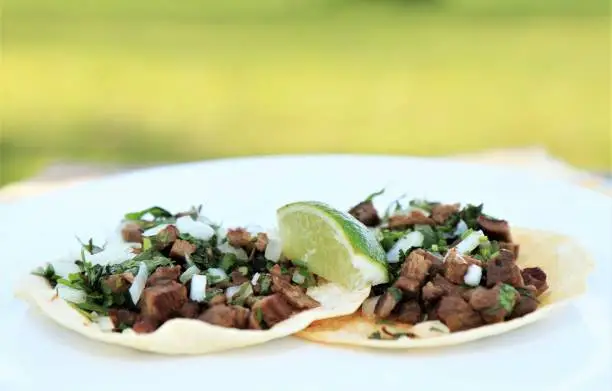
x=569, y=351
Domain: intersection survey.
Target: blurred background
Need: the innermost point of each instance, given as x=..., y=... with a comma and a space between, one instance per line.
x=140, y=82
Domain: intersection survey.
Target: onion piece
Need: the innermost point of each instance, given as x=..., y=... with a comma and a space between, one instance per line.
x=105, y=323
x=238, y=252
x=188, y=274
x=461, y=228
x=139, y=283
x=473, y=275
x=155, y=230
x=197, y=291
x=368, y=306
x=72, y=295
x=216, y=275
x=197, y=229
x=274, y=249
x=468, y=244
x=412, y=239
x=298, y=277
x=255, y=278
x=231, y=291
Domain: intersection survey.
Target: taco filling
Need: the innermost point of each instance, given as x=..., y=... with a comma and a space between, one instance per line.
x=447, y=263
x=183, y=266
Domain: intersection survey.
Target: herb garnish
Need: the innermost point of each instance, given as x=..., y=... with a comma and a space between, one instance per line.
x=48, y=273
x=470, y=214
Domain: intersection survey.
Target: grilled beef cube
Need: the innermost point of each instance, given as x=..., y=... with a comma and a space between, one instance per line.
x=441, y=212
x=431, y=292
x=526, y=302
x=119, y=283
x=536, y=277
x=413, y=273
x=145, y=324
x=494, y=304
x=276, y=271
x=131, y=233
x=238, y=237
x=449, y=288
x=457, y=314
x=261, y=242
x=366, y=213
x=255, y=321
x=437, y=263
x=273, y=309
x=432, y=313
x=514, y=247
x=456, y=265
x=405, y=221
x=503, y=268
x=166, y=237
x=238, y=278
x=409, y=312
x=164, y=275
x=467, y=295
x=217, y=299
x=122, y=318
x=190, y=310
x=181, y=249
x=495, y=229
x=226, y=316
x=295, y=295
x=162, y=300
x=387, y=302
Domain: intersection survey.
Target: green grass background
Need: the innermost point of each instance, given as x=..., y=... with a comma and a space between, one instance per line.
x=162, y=81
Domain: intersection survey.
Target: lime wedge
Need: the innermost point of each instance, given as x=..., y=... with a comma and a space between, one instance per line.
x=333, y=244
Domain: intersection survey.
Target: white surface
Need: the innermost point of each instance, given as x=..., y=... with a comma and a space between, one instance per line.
x=569, y=351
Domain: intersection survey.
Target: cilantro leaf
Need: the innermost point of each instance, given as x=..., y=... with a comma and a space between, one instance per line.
x=48, y=273
x=470, y=214
x=374, y=195
x=155, y=211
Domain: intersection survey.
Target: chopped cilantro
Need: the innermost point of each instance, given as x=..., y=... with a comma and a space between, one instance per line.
x=48, y=273
x=507, y=297
x=374, y=195
x=429, y=235
x=227, y=262
x=390, y=237
x=470, y=214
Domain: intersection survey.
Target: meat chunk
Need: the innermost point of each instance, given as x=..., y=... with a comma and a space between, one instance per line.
x=495, y=229
x=413, y=273
x=226, y=316
x=145, y=324
x=514, y=247
x=526, y=302
x=119, y=283
x=441, y=212
x=503, y=268
x=409, y=312
x=273, y=309
x=437, y=263
x=261, y=242
x=164, y=275
x=218, y=299
x=162, y=301
x=238, y=237
x=536, y=277
x=165, y=237
x=293, y=294
x=456, y=265
x=366, y=213
x=238, y=278
x=405, y=221
x=457, y=314
x=181, y=249
x=494, y=304
x=122, y=318
x=276, y=271
x=431, y=292
x=190, y=310
x=131, y=233
x=449, y=288
x=387, y=302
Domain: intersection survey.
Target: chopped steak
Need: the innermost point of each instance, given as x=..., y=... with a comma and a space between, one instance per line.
x=218, y=299
x=131, y=233
x=413, y=273
x=387, y=303
x=455, y=267
x=238, y=278
x=437, y=263
x=122, y=318
x=261, y=242
x=164, y=275
x=274, y=309
x=366, y=213
x=503, y=268
x=293, y=294
x=526, y=303
x=536, y=277
x=495, y=229
x=409, y=312
x=441, y=212
x=494, y=304
x=514, y=247
x=226, y=316
x=145, y=324
x=448, y=287
x=161, y=301
x=191, y=310
x=119, y=283
x=276, y=271
x=238, y=237
x=166, y=237
x=182, y=248
x=431, y=292
x=457, y=314
x=404, y=221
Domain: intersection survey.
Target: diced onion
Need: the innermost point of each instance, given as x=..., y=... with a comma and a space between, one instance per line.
x=231, y=291
x=197, y=229
x=139, y=283
x=197, y=291
x=298, y=277
x=468, y=244
x=155, y=230
x=412, y=239
x=105, y=323
x=229, y=249
x=188, y=274
x=114, y=252
x=274, y=249
x=255, y=278
x=216, y=274
x=367, y=308
x=461, y=228
x=70, y=294
x=473, y=275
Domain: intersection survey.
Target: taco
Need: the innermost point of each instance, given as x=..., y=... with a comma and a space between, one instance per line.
x=179, y=284
x=457, y=275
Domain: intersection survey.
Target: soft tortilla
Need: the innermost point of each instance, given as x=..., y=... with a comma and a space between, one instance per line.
x=189, y=336
x=566, y=264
